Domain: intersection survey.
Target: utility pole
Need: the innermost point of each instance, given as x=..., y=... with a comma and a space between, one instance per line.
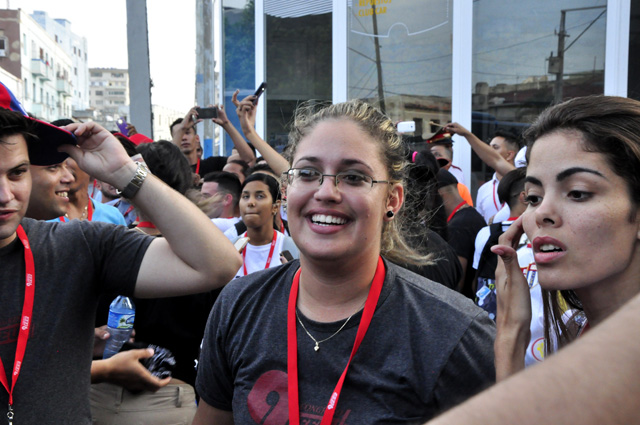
x=205, y=78
x=556, y=65
x=140, y=79
x=560, y=74
x=378, y=63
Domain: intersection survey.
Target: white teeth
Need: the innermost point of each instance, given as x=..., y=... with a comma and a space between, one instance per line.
x=549, y=247
x=63, y=194
x=327, y=219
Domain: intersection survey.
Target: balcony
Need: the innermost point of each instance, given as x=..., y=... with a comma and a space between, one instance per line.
x=40, y=69
x=64, y=87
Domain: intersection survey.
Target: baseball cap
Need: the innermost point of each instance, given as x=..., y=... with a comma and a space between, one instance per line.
x=440, y=137
x=43, y=149
x=445, y=178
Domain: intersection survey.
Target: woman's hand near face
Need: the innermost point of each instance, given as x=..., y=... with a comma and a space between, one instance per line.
x=513, y=318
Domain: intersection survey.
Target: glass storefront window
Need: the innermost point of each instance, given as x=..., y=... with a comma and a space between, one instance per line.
x=517, y=68
x=399, y=58
x=633, y=80
x=298, y=57
x=239, y=57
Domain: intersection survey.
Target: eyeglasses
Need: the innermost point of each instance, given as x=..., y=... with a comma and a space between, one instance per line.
x=345, y=181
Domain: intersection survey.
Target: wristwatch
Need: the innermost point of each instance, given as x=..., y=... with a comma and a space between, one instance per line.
x=136, y=182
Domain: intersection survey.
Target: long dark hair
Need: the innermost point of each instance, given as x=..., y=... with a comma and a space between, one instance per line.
x=607, y=125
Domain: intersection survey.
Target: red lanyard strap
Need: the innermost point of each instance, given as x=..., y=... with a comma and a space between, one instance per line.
x=146, y=224
x=198, y=167
x=292, y=345
x=455, y=210
x=90, y=210
x=273, y=245
x=25, y=323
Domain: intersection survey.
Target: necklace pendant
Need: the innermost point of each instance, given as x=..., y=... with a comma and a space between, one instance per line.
x=317, y=347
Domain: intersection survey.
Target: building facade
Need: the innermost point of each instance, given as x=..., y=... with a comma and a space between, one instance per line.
x=109, y=95
x=39, y=63
x=76, y=47
x=486, y=64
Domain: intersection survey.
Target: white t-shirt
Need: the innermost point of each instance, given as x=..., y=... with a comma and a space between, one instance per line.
x=487, y=202
x=535, y=349
x=255, y=257
x=225, y=223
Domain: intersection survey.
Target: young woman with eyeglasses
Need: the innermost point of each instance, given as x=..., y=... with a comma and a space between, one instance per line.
x=343, y=334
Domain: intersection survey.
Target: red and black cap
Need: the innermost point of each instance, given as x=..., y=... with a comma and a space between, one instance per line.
x=43, y=149
x=442, y=137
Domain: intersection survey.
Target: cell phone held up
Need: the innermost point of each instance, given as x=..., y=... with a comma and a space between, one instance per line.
x=259, y=92
x=207, y=113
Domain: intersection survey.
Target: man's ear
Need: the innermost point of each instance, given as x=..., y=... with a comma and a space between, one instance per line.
x=227, y=199
x=521, y=198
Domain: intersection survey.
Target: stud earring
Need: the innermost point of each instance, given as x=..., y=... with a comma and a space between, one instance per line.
x=390, y=214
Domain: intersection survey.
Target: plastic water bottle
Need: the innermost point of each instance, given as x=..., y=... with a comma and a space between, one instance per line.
x=122, y=313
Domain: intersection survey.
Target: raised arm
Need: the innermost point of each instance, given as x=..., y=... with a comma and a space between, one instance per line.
x=247, y=113
x=486, y=153
x=241, y=145
x=179, y=129
x=193, y=256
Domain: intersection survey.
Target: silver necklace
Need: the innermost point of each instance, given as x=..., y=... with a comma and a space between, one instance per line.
x=317, y=346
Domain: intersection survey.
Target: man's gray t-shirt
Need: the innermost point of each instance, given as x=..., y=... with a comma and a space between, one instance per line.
x=75, y=262
x=427, y=349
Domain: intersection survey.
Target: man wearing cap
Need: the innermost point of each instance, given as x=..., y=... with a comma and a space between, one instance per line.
x=441, y=146
x=46, y=343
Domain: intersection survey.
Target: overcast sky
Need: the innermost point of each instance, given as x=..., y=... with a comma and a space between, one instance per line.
x=104, y=24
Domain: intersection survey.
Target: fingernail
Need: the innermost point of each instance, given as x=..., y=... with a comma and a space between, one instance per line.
x=497, y=251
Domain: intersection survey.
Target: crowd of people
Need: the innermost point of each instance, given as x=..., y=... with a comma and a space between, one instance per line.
x=347, y=279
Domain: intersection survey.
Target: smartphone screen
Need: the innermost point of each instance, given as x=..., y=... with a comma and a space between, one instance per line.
x=205, y=113
x=259, y=92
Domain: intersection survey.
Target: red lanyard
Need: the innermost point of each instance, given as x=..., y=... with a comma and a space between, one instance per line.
x=273, y=246
x=25, y=323
x=498, y=208
x=292, y=345
x=198, y=167
x=90, y=210
x=146, y=224
x=455, y=210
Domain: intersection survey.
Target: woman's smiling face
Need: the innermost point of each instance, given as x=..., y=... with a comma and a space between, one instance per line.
x=338, y=223
x=581, y=220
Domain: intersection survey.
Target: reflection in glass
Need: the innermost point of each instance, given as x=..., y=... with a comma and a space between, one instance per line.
x=527, y=56
x=298, y=58
x=400, y=59
x=239, y=57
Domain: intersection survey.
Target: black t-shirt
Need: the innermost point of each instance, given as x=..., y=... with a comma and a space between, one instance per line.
x=446, y=268
x=74, y=263
x=427, y=349
x=463, y=228
x=208, y=165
